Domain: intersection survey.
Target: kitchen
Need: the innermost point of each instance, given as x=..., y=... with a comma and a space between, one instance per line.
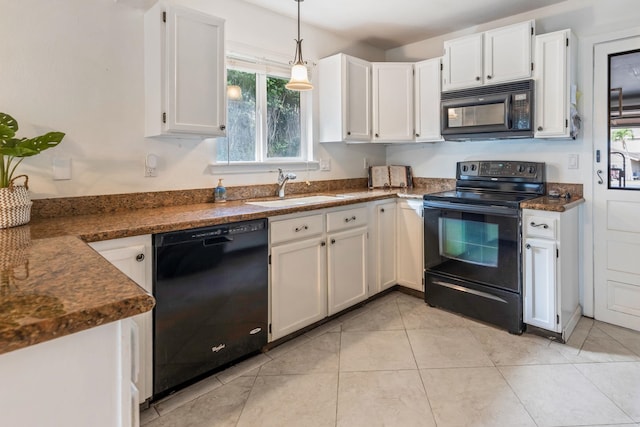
x=94, y=74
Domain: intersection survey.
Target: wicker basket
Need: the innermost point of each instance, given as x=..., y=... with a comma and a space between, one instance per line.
x=15, y=204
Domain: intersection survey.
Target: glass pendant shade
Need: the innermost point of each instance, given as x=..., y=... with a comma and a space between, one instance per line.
x=234, y=92
x=299, y=75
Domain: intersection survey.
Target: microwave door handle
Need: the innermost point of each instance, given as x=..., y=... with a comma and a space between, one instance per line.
x=508, y=108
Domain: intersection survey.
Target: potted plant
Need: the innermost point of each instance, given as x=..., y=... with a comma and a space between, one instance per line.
x=15, y=204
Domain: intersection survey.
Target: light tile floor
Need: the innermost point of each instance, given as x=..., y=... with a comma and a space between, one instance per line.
x=398, y=362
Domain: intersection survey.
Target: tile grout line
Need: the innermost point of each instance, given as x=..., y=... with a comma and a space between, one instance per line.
x=516, y=394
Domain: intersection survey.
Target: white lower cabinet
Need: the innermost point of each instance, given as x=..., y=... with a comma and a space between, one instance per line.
x=347, y=268
x=410, y=244
x=132, y=256
x=551, y=271
x=316, y=270
x=386, y=266
x=298, y=275
x=82, y=379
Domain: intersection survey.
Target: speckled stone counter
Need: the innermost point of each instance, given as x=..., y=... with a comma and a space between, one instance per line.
x=171, y=218
x=553, y=204
x=53, y=287
x=53, y=284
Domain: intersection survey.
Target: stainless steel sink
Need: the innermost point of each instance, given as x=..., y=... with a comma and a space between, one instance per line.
x=298, y=201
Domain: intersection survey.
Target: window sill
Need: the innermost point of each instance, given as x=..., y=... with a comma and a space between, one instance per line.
x=254, y=167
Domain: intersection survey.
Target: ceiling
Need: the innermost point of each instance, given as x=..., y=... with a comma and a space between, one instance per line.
x=387, y=24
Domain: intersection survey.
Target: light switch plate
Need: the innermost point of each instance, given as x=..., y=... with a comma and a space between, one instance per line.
x=573, y=161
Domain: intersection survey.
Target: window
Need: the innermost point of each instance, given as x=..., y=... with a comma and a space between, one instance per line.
x=265, y=121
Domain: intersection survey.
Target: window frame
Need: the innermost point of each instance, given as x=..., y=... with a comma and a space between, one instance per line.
x=264, y=68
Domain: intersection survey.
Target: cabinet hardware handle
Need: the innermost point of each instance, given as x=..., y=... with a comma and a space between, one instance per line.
x=376, y=135
x=528, y=246
x=222, y=127
x=140, y=257
x=323, y=243
x=333, y=241
x=477, y=78
x=539, y=128
x=533, y=224
x=417, y=135
x=349, y=133
x=302, y=227
x=353, y=218
x=489, y=77
x=381, y=209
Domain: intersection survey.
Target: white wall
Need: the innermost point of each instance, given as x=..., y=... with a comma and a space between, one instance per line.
x=76, y=66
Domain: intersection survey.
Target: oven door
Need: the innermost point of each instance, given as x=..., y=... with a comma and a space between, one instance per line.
x=474, y=243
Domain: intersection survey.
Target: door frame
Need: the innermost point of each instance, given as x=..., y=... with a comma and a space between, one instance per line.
x=587, y=80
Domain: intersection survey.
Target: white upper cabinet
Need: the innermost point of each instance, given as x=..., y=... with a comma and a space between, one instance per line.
x=392, y=87
x=344, y=99
x=185, y=77
x=495, y=56
x=555, y=77
x=427, y=100
x=507, y=53
x=462, y=62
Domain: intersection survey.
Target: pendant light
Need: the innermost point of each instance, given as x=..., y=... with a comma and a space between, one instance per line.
x=299, y=75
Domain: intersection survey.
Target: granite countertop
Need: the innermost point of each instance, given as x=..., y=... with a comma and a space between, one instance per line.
x=48, y=291
x=53, y=284
x=53, y=287
x=553, y=204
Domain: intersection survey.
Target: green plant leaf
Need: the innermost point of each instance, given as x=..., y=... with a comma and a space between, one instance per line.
x=8, y=121
x=33, y=146
x=6, y=132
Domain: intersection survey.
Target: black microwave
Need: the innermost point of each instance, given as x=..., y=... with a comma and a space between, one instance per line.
x=488, y=112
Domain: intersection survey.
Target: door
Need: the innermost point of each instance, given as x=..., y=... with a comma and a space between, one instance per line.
x=427, y=100
x=616, y=192
x=346, y=258
x=357, y=99
x=386, y=266
x=195, y=70
x=392, y=101
x=540, y=283
x=298, y=285
x=462, y=63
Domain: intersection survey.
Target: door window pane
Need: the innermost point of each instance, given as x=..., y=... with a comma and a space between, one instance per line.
x=624, y=121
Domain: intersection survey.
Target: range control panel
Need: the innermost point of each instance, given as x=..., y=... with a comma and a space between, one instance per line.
x=499, y=169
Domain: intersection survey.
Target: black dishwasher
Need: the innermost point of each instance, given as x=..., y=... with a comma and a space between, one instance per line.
x=211, y=290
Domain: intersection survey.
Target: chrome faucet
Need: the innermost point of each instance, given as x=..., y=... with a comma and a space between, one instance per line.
x=282, y=180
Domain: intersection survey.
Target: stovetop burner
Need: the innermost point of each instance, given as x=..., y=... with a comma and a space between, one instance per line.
x=494, y=183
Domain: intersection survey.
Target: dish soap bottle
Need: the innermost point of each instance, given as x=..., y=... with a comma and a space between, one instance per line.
x=220, y=193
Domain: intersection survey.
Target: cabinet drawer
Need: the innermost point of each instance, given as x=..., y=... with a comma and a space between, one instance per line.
x=295, y=228
x=539, y=226
x=349, y=218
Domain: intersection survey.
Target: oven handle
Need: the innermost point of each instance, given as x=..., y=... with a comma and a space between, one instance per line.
x=469, y=291
x=481, y=209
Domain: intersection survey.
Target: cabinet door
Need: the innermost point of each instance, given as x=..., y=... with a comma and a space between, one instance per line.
x=427, y=100
x=552, y=85
x=386, y=264
x=298, y=285
x=462, y=62
x=392, y=89
x=410, y=244
x=346, y=259
x=132, y=256
x=357, y=99
x=540, y=299
x=185, y=78
x=507, y=53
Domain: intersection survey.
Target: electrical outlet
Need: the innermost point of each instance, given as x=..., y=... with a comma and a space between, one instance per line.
x=325, y=164
x=150, y=165
x=150, y=172
x=365, y=163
